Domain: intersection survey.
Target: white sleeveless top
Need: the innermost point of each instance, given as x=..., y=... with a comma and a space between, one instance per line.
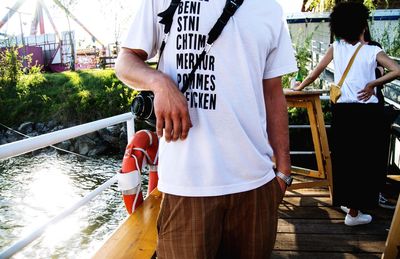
x=361, y=72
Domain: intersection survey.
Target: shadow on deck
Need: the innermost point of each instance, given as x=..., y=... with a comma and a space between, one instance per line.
x=309, y=227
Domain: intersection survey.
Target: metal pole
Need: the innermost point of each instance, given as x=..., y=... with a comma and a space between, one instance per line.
x=51, y=20
x=23, y=42
x=41, y=20
x=11, y=12
x=35, y=20
x=77, y=21
x=72, y=45
x=22, y=31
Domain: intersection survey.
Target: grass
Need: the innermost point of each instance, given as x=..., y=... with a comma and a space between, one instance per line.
x=68, y=97
x=73, y=98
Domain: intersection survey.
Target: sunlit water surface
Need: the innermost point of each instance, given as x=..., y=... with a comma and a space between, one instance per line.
x=34, y=189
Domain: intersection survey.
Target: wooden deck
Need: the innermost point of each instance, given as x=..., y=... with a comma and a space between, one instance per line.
x=309, y=227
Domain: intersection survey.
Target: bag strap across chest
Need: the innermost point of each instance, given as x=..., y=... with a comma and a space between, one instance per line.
x=346, y=71
x=229, y=10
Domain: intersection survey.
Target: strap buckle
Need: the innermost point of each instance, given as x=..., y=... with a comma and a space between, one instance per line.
x=231, y=7
x=207, y=47
x=166, y=37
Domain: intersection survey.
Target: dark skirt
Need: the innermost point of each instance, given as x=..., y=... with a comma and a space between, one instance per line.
x=358, y=154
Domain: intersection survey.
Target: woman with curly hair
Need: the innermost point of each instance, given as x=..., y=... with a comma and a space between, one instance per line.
x=357, y=117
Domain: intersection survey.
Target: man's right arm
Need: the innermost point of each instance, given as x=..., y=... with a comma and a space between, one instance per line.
x=170, y=105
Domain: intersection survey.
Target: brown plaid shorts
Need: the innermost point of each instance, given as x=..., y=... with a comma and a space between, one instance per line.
x=240, y=225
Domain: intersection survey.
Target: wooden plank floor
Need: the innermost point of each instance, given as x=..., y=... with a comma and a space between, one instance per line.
x=309, y=227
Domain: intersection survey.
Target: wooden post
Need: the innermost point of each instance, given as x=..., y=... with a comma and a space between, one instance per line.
x=392, y=247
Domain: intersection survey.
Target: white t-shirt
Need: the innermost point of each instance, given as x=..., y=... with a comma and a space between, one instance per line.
x=227, y=150
x=361, y=72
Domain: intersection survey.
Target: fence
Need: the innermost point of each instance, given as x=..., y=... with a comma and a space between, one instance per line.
x=34, y=143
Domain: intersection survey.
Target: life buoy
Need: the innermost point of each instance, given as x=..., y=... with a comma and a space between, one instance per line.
x=141, y=149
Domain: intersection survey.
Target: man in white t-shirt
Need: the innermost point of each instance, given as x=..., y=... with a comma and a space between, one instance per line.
x=224, y=141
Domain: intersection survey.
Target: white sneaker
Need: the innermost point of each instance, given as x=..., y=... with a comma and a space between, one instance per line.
x=345, y=209
x=385, y=203
x=360, y=219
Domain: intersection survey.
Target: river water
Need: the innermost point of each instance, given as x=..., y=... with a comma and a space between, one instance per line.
x=34, y=189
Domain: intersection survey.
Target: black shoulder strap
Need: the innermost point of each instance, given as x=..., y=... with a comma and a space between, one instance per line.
x=167, y=16
x=229, y=10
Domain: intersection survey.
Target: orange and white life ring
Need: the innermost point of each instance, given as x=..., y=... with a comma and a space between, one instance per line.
x=141, y=149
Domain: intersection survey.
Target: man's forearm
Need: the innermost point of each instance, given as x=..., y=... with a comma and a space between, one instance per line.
x=170, y=105
x=131, y=69
x=277, y=125
x=279, y=137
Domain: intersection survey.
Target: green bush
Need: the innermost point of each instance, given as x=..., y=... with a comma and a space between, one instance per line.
x=10, y=71
x=68, y=97
x=390, y=40
x=14, y=84
x=79, y=97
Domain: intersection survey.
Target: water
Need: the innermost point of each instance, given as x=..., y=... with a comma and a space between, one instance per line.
x=34, y=189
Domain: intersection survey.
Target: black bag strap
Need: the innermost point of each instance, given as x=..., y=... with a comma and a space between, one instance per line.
x=167, y=17
x=229, y=10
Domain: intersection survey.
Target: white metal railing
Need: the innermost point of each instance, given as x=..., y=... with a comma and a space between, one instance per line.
x=34, y=143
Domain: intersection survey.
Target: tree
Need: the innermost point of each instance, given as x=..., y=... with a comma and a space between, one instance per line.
x=327, y=5
x=10, y=69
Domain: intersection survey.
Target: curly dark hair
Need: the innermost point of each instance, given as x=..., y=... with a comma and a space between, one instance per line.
x=348, y=20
